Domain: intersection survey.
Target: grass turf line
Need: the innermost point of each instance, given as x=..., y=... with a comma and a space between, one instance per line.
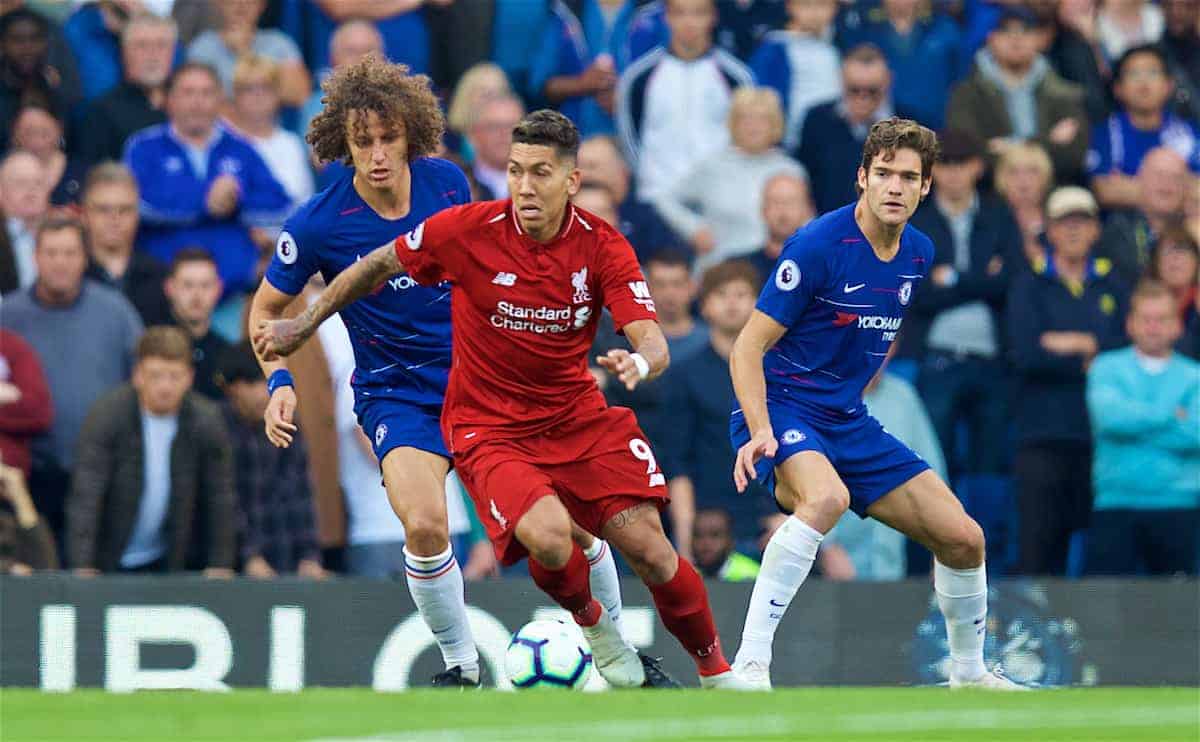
x=359, y=715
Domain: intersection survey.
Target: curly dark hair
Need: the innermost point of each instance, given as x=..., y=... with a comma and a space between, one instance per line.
x=895, y=133
x=373, y=84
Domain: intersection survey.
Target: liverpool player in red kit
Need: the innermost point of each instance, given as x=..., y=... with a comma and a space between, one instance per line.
x=531, y=435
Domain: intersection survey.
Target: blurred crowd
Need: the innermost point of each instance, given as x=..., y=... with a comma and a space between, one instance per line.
x=151, y=149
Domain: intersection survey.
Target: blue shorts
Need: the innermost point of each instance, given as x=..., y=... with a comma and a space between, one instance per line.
x=392, y=423
x=870, y=461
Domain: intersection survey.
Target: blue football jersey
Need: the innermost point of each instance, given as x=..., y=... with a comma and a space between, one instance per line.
x=843, y=307
x=400, y=334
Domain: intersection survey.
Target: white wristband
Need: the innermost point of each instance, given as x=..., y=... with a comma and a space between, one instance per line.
x=643, y=366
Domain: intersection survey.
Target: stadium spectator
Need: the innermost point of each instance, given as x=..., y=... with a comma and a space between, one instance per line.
x=1129, y=234
x=28, y=73
x=1142, y=85
x=84, y=335
x=193, y=289
x=110, y=214
x=786, y=206
x=1181, y=42
x=1144, y=403
x=255, y=115
x=923, y=49
x=800, y=63
x=9, y=280
x=1013, y=95
x=276, y=526
x=238, y=35
x=352, y=41
x=25, y=407
x=1176, y=263
x=490, y=135
x=1124, y=24
x=153, y=483
x=401, y=23
x=601, y=161
x=1068, y=37
x=1059, y=316
x=834, y=132
x=699, y=397
x=26, y=543
x=1023, y=177
x=574, y=65
x=712, y=544
x=743, y=24
x=39, y=131
x=673, y=104
x=956, y=329
x=516, y=31
x=147, y=52
x=24, y=200
x=484, y=80
x=94, y=32
x=201, y=184
x=598, y=200
x=864, y=548
x=717, y=205
x=460, y=37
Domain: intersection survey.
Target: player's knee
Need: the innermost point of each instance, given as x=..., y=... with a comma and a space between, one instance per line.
x=546, y=534
x=652, y=558
x=426, y=534
x=964, y=546
x=829, y=502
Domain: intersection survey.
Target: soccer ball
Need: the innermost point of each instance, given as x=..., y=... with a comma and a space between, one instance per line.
x=548, y=654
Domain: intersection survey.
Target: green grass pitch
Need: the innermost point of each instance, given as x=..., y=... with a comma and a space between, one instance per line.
x=875, y=714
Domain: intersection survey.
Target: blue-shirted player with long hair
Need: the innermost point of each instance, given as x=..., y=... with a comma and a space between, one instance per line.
x=386, y=124
x=822, y=328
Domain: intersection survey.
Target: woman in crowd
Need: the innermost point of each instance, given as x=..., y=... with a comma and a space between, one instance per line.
x=39, y=131
x=1024, y=176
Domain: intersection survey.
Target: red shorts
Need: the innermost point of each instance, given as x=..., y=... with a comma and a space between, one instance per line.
x=598, y=464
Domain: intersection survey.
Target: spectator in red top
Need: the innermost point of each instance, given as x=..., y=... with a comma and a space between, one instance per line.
x=25, y=406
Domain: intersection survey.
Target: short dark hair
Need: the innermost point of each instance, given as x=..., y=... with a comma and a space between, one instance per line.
x=1154, y=50
x=166, y=342
x=59, y=224
x=670, y=257
x=864, y=53
x=238, y=363
x=729, y=272
x=551, y=129
x=958, y=145
x=192, y=66
x=16, y=15
x=895, y=133
x=193, y=254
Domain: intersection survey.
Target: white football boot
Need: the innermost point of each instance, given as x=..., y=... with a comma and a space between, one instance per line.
x=615, y=660
x=728, y=680
x=994, y=680
x=754, y=672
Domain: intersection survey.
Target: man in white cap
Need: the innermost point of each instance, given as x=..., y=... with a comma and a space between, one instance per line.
x=1059, y=316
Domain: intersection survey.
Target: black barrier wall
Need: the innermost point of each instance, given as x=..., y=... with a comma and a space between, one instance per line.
x=126, y=633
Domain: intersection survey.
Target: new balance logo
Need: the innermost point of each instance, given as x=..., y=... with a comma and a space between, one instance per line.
x=641, y=294
x=851, y=289
x=505, y=279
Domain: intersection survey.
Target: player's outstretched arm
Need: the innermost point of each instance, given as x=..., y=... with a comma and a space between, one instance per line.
x=650, y=356
x=270, y=304
x=282, y=337
x=750, y=385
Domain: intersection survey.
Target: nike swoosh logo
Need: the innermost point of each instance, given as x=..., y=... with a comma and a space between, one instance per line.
x=851, y=289
x=778, y=605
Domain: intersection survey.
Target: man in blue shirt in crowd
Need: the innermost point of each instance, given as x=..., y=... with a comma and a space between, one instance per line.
x=201, y=184
x=821, y=330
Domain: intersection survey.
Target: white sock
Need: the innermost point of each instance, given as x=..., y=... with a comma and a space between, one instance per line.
x=606, y=586
x=786, y=562
x=962, y=598
x=436, y=586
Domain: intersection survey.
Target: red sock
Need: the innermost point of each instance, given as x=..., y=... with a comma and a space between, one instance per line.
x=569, y=586
x=682, y=604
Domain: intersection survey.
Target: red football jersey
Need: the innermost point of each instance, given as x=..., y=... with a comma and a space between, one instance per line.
x=523, y=314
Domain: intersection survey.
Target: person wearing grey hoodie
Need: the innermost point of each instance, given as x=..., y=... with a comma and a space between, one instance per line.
x=1013, y=95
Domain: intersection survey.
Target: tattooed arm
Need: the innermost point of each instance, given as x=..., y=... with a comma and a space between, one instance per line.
x=274, y=338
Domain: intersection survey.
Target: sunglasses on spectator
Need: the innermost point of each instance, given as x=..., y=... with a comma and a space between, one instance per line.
x=864, y=91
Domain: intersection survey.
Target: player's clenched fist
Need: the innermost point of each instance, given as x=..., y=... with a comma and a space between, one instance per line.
x=624, y=365
x=275, y=338
x=278, y=417
x=761, y=444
